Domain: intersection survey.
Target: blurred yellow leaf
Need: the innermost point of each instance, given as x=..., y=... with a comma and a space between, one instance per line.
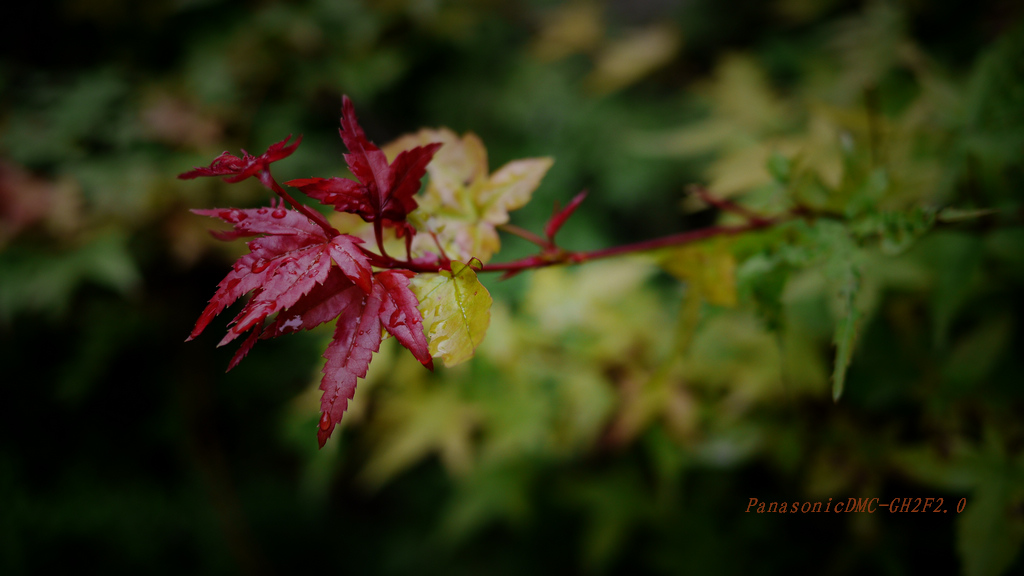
x=708, y=267
x=739, y=170
x=741, y=92
x=511, y=186
x=572, y=28
x=868, y=45
x=416, y=422
x=623, y=62
x=603, y=305
x=744, y=128
x=733, y=352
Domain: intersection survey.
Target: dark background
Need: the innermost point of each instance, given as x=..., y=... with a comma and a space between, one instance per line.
x=125, y=450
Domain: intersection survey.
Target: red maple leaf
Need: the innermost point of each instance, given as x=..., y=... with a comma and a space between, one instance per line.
x=235, y=169
x=357, y=336
x=389, y=305
x=384, y=191
x=308, y=278
x=281, y=268
x=300, y=269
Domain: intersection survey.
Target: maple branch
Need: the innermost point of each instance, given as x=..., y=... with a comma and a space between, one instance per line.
x=267, y=179
x=678, y=239
x=552, y=255
x=556, y=257
x=724, y=205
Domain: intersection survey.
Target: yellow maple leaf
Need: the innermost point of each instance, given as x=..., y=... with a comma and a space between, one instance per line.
x=463, y=203
x=456, y=311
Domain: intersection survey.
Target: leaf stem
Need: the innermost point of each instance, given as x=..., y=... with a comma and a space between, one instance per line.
x=378, y=233
x=267, y=179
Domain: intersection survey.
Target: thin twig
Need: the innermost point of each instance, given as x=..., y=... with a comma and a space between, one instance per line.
x=525, y=235
x=725, y=205
x=438, y=244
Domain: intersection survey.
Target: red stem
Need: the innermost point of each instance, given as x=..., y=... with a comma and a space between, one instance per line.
x=555, y=256
x=676, y=239
x=563, y=257
x=724, y=205
x=378, y=233
x=267, y=179
x=438, y=244
x=526, y=235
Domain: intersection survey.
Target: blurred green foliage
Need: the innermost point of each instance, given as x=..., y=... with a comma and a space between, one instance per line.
x=615, y=419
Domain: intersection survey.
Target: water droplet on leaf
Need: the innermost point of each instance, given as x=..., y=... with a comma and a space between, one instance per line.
x=325, y=421
x=233, y=216
x=279, y=213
